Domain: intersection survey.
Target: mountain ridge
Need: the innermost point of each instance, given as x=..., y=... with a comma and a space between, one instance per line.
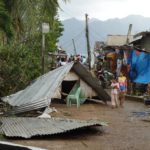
x=98, y=30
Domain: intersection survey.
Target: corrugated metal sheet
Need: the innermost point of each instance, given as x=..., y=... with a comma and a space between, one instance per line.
x=39, y=94
x=29, y=106
x=86, y=76
x=41, y=91
x=136, y=39
x=28, y=127
x=139, y=36
x=11, y=146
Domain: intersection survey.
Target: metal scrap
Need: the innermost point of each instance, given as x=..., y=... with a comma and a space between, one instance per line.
x=12, y=146
x=28, y=127
x=39, y=94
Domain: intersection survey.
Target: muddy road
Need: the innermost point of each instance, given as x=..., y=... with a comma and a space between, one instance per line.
x=124, y=131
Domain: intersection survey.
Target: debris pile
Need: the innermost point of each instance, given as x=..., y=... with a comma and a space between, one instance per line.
x=31, y=106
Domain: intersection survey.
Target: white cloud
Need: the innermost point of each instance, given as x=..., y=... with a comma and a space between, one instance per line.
x=104, y=9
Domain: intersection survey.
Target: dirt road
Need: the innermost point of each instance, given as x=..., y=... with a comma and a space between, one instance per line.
x=125, y=132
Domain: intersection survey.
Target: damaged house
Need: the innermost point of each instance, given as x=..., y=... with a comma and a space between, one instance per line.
x=142, y=41
x=58, y=84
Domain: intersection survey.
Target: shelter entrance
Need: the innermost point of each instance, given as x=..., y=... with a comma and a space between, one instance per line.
x=67, y=87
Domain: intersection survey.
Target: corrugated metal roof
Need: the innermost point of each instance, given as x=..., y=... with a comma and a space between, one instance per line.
x=136, y=39
x=144, y=33
x=41, y=91
x=139, y=36
x=39, y=94
x=86, y=76
x=11, y=146
x=28, y=127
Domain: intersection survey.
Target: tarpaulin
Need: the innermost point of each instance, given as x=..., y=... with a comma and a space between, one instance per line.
x=140, y=67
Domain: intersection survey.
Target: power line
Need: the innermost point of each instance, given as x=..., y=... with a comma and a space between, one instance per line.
x=96, y=33
x=70, y=46
x=79, y=35
x=94, y=36
x=67, y=11
x=75, y=37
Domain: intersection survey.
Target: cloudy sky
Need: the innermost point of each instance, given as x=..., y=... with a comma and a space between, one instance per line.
x=104, y=9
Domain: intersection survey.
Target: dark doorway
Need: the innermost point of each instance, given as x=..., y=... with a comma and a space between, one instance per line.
x=67, y=87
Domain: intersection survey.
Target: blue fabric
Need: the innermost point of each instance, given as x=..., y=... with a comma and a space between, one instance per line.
x=140, y=67
x=122, y=88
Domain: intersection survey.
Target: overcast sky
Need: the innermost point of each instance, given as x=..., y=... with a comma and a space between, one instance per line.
x=104, y=9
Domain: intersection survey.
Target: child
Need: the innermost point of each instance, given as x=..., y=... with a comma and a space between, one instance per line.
x=122, y=80
x=114, y=93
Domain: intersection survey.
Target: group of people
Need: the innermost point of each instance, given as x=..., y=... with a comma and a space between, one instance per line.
x=115, y=62
x=63, y=60
x=118, y=91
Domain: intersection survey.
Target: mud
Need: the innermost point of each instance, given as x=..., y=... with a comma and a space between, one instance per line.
x=124, y=131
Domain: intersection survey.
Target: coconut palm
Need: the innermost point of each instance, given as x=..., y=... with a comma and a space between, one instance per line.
x=5, y=21
x=26, y=14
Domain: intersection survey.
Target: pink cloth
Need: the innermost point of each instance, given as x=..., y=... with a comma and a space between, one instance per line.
x=115, y=88
x=114, y=93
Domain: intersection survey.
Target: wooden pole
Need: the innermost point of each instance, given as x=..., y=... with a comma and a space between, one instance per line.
x=88, y=42
x=75, y=51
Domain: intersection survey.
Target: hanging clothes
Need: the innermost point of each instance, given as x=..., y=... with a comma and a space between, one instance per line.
x=119, y=66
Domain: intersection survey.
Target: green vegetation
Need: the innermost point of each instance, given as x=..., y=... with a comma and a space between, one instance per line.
x=20, y=44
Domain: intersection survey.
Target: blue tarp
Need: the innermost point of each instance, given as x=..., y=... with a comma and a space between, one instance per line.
x=140, y=67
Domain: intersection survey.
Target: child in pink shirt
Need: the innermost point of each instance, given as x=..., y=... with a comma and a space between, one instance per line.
x=114, y=93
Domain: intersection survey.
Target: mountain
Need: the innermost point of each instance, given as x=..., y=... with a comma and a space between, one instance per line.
x=98, y=30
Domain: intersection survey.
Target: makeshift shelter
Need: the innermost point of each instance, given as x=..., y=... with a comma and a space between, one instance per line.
x=141, y=40
x=52, y=85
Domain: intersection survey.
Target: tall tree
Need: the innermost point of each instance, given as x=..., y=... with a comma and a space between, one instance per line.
x=20, y=61
x=22, y=13
x=5, y=22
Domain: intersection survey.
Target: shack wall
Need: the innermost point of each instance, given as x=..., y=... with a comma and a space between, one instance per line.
x=86, y=89
x=145, y=43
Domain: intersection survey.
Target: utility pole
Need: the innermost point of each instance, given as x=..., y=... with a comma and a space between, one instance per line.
x=88, y=42
x=130, y=84
x=128, y=34
x=75, y=51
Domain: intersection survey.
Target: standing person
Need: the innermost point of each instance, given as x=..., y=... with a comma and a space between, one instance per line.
x=119, y=66
x=122, y=88
x=106, y=64
x=114, y=93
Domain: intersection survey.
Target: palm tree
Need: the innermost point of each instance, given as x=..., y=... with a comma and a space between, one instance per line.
x=24, y=14
x=5, y=22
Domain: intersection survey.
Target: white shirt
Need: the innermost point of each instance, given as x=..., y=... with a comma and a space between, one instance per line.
x=63, y=63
